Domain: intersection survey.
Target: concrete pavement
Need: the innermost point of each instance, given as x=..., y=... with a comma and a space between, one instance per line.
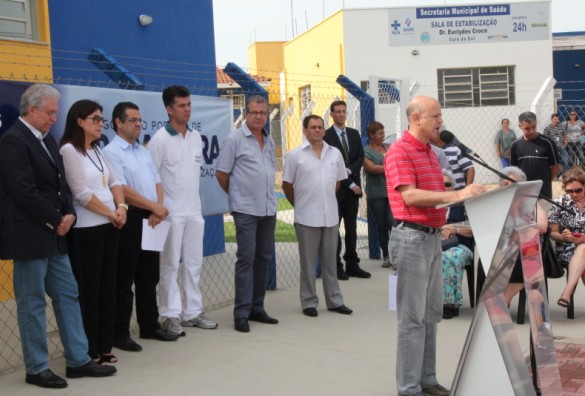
x=332, y=354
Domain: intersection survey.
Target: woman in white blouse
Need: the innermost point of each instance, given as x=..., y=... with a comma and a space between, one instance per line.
x=93, y=242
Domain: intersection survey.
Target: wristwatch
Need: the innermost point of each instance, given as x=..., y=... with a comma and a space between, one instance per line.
x=123, y=205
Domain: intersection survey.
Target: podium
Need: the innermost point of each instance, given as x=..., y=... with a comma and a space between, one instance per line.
x=492, y=361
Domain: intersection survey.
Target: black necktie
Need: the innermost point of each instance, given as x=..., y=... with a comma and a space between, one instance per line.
x=345, y=147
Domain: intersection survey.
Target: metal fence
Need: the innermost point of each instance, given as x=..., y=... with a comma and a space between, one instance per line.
x=476, y=127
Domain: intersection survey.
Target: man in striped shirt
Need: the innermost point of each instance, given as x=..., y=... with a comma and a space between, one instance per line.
x=415, y=186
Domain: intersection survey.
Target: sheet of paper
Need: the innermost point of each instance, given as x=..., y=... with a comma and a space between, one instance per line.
x=154, y=238
x=392, y=282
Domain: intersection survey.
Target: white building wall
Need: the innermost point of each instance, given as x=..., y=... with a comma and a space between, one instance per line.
x=367, y=51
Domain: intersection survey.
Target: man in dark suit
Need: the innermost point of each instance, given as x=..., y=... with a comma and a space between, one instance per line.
x=36, y=211
x=349, y=143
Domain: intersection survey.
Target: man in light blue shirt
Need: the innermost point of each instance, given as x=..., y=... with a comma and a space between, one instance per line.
x=246, y=172
x=133, y=166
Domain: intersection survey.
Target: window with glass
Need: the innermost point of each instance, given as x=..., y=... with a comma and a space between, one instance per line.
x=388, y=91
x=476, y=87
x=238, y=100
x=18, y=20
x=305, y=94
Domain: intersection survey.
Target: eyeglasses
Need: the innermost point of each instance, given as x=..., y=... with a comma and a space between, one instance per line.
x=257, y=113
x=96, y=119
x=448, y=184
x=575, y=191
x=49, y=113
x=572, y=114
x=134, y=120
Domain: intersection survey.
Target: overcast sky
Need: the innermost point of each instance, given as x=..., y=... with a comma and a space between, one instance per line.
x=239, y=23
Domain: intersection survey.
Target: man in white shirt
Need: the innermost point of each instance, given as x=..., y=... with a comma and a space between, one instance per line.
x=312, y=174
x=177, y=154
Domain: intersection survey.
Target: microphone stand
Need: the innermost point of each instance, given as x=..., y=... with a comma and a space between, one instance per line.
x=477, y=159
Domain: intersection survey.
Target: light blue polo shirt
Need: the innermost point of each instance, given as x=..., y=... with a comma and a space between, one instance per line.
x=252, y=172
x=132, y=165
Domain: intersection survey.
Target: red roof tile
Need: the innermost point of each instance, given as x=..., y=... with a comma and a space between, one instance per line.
x=223, y=78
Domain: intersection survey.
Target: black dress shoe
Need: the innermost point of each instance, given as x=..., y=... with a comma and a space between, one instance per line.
x=448, y=312
x=359, y=273
x=90, y=369
x=262, y=317
x=241, y=325
x=312, y=312
x=341, y=275
x=127, y=344
x=342, y=309
x=46, y=379
x=159, y=335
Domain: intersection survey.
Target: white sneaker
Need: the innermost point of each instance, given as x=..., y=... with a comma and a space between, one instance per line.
x=173, y=326
x=200, y=321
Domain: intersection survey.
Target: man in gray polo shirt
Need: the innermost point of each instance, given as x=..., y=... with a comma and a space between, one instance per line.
x=246, y=172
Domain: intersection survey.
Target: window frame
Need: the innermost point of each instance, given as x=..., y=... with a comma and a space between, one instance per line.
x=305, y=97
x=30, y=20
x=476, y=86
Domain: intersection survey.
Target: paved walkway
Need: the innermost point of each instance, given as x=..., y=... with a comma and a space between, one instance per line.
x=571, y=359
x=332, y=354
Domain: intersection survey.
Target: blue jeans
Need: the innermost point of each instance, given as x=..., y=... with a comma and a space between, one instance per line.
x=505, y=161
x=53, y=276
x=419, y=306
x=564, y=160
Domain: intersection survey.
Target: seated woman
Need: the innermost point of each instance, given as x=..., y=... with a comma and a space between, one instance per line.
x=457, y=253
x=568, y=229
x=516, y=283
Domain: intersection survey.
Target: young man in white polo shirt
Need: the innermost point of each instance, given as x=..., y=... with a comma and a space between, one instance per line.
x=177, y=154
x=312, y=173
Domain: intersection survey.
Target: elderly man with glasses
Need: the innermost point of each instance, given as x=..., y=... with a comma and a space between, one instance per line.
x=246, y=172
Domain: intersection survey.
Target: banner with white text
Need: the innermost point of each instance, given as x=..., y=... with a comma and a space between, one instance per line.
x=469, y=24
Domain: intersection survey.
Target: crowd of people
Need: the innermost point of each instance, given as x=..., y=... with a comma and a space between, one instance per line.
x=73, y=215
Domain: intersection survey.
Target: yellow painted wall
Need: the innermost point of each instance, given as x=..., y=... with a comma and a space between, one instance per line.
x=26, y=61
x=6, y=285
x=267, y=59
x=314, y=58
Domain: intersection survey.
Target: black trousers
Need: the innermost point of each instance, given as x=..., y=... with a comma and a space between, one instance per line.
x=138, y=267
x=348, y=210
x=93, y=255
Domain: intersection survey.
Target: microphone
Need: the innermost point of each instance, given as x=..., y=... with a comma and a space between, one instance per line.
x=448, y=137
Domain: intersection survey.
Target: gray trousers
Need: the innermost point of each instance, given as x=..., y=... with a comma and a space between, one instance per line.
x=255, y=239
x=419, y=306
x=318, y=243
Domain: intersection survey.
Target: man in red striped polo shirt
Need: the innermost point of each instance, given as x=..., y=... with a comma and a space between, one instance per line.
x=415, y=186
